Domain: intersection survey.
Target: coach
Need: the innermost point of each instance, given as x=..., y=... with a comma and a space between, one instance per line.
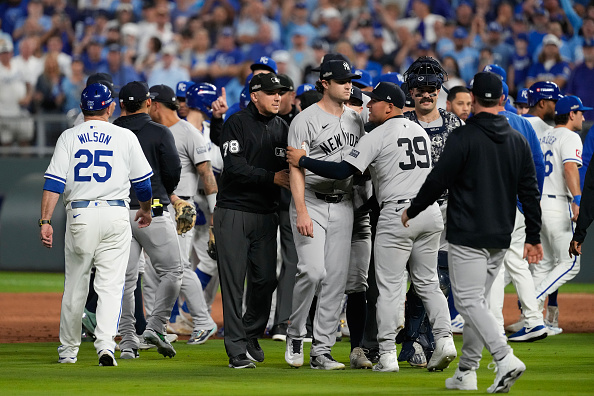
x=245, y=220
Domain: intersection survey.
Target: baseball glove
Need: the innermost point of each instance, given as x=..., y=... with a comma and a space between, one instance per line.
x=185, y=216
x=212, y=247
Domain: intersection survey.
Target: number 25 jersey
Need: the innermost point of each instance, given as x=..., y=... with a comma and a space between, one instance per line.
x=97, y=160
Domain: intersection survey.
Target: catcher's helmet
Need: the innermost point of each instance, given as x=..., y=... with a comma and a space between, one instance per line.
x=200, y=97
x=95, y=97
x=182, y=88
x=546, y=90
x=425, y=72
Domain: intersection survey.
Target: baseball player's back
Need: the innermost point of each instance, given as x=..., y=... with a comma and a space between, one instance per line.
x=559, y=146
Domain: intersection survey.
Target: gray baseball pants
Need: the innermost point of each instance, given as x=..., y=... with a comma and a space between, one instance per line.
x=395, y=245
x=472, y=272
x=321, y=270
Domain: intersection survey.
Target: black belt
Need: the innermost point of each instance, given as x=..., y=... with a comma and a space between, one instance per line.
x=558, y=196
x=185, y=198
x=330, y=198
x=399, y=202
x=85, y=204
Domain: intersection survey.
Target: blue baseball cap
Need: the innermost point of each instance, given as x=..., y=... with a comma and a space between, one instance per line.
x=543, y=90
x=570, y=103
x=494, y=27
x=522, y=96
x=392, y=77
x=505, y=89
x=265, y=63
x=365, y=79
x=95, y=97
x=361, y=47
x=303, y=88
x=182, y=87
x=424, y=45
x=497, y=70
x=460, y=33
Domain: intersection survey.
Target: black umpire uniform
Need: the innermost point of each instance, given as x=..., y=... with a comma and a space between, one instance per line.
x=245, y=221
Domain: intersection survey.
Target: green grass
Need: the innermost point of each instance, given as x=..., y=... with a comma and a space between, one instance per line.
x=560, y=365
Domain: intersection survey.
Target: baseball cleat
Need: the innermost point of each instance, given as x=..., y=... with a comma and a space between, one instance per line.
x=359, y=360
x=458, y=324
x=509, y=369
x=89, y=322
x=294, y=352
x=158, y=339
x=388, y=362
x=514, y=328
x=529, y=334
x=200, y=336
x=372, y=354
x=253, y=351
x=279, y=332
x=553, y=331
x=106, y=358
x=71, y=360
x=325, y=362
x=179, y=327
x=445, y=352
x=462, y=380
x=418, y=359
x=129, y=353
x=241, y=362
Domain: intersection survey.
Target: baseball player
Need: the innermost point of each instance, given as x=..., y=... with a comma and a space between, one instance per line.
x=458, y=102
x=200, y=100
x=397, y=152
x=245, y=219
x=521, y=102
x=322, y=216
x=180, y=93
x=160, y=241
x=485, y=165
x=93, y=165
x=514, y=267
x=424, y=79
x=195, y=160
x=542, y=97
x=562, y=148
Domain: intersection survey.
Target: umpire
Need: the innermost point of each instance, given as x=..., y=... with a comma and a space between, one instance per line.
x=245, y=220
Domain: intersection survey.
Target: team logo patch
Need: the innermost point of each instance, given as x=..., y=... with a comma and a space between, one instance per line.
x=578, y=153
x=354, y=153
x=90, y=104
x=275, y=80
x=201, y=150
x=346, y=66
x=264, y=60
x=280, y=152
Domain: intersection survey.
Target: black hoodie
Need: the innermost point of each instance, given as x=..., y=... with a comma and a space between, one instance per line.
x=485, y=164
x=158, y=145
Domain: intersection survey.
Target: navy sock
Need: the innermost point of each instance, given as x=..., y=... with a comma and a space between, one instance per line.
x=553, y=298
x=356, y=313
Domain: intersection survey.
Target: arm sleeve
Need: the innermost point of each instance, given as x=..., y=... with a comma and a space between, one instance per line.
x=234, y=160
x=587, y=155
x=442, y=176
x=216, y=129
x=169, y=162
x=586, y=208
x=331, y=170
x=529, y=197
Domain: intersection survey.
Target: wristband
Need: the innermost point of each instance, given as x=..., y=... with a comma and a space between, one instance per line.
x=577, y=200
x=212, y=201
x=42, y=222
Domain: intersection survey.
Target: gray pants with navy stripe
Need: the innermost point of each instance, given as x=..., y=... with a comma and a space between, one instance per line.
x=472, y=272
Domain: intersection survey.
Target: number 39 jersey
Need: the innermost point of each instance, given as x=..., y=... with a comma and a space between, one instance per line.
x=399, y=155
x=97, y=161
x=559, y=145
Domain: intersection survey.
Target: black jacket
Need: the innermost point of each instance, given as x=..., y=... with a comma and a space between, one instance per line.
x=484, y=164
x=254, y=149
x=158, y=145
x=586, y=207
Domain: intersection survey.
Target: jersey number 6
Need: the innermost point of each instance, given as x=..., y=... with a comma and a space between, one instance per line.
x=548, y=163
x=95, y=160
x=418, y=146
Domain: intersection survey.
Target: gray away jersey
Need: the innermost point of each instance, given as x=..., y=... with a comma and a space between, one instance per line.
x=193, y=149
x=327, y=138
x=398, y=153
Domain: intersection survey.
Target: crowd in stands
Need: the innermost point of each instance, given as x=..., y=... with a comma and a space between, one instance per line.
x=48, y=47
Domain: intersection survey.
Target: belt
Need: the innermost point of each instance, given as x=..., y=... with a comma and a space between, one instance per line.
x=85, y=204
x=558, y=196
x=398, y=202
x=185, y=198
x=330, y=198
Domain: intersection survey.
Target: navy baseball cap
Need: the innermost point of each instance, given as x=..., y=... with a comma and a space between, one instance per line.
x=163, y=93
x=287, y=82
x=101, y=78
x=424, y=45
x=497, y=70
x=356, y=96
x=182, y=88
x=522, y=96
x=388, y=92
x=135, y=91
x=337, y=70
x=266, y=82
x=487, y=85
x=304, y=88
x=365, y=79
x=331, y=56
x=265, y=63
x=570, y=103
x=494, y=27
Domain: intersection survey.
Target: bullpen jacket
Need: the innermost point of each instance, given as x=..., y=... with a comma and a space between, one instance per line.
x=158, y=145
x=484, y=164
x=254, y=149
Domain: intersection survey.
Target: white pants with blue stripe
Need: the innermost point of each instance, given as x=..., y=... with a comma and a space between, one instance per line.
x=557, y=267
